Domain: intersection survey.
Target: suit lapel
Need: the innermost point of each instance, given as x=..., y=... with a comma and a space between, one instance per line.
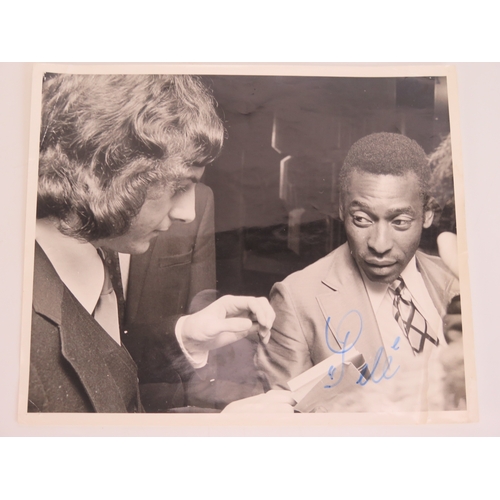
x=82, y=338
x=347, y=309
x=84, y=341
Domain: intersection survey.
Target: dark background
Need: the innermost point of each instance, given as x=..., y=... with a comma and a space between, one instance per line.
x=275, y=183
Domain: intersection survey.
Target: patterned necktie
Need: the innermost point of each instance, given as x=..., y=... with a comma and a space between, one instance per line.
x=107, y=310
x=409, y=317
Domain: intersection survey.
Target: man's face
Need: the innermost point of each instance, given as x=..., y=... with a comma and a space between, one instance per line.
x=157, y=215
x=383, y=217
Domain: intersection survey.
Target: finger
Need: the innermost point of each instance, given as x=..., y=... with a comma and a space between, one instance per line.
x=265, y=335
x=268, y=313
x=453, y=321
x=256, y=307
x=455, y=306
x=261, y=333
x=212, y=327
x=452, y=327
x=234, y=325
x=263, y=312
x=453, y=335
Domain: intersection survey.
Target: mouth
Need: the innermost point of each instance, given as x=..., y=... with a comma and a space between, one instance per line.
x=152, y=236
x=156, y=232
x=380, y=264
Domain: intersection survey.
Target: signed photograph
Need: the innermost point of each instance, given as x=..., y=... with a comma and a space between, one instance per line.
x=244, y=244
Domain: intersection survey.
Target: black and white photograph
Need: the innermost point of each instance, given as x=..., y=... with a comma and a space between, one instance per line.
x=273, y=243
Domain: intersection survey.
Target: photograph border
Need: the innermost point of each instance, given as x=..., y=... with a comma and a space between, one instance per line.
x=326, y=70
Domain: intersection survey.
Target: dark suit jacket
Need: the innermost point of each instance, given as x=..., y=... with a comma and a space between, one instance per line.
x=330, y=288
x=175, y=276
x=184, y=258
x=75, y=366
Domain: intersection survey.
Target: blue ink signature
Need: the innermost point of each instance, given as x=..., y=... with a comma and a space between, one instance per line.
x=396, y=342
x=346, y=345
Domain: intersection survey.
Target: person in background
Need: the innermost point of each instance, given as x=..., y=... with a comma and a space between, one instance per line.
x=441, y=165
x=176, y=276
x=441, y=188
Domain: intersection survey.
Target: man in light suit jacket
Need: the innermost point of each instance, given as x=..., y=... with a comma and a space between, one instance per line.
x=376, y=295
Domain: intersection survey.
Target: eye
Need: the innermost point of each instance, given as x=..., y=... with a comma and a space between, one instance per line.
x=402, y=223
x=181, y=188
x=361, y=220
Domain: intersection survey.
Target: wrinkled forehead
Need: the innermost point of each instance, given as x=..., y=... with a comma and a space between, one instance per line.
x=364, y=188
x=405, y=184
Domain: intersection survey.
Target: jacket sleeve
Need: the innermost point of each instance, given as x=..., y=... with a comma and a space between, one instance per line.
x=287, y=353
x=157, y=353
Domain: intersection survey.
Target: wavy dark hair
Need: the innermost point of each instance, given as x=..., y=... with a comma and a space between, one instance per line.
x=385, y=153
x=108, y=142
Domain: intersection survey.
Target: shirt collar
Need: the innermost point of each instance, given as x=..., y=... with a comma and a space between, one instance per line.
x=77, y=263
x=377, y=291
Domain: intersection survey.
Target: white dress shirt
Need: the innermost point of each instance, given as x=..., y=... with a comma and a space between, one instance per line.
x=77, y=263
x=417, y=382
x=79, y=266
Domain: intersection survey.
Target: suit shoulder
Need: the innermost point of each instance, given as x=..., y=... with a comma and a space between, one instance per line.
x=437, y=274
x=432, y=262
x=314, y=272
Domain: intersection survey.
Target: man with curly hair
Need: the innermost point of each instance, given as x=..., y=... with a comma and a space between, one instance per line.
x=120, y=158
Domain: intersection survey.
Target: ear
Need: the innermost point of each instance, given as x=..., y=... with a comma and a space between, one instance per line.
x=428, y=218
x=341, y=211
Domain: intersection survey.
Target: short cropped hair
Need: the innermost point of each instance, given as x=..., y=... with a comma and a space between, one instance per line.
x=107, y=142
x=385, y=153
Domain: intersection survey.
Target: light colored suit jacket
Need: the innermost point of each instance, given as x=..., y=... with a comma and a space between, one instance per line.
x=316, y=306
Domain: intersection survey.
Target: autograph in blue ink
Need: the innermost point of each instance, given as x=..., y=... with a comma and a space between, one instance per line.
x=395, y=345
x=347, y=339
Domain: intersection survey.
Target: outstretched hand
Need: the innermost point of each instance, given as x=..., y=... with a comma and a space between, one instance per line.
x=225, y=321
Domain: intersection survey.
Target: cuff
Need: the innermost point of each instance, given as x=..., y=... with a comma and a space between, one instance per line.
x=198, y=360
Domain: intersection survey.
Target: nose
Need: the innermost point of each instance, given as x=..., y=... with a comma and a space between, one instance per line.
x=380, y=240
x=183, y=209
